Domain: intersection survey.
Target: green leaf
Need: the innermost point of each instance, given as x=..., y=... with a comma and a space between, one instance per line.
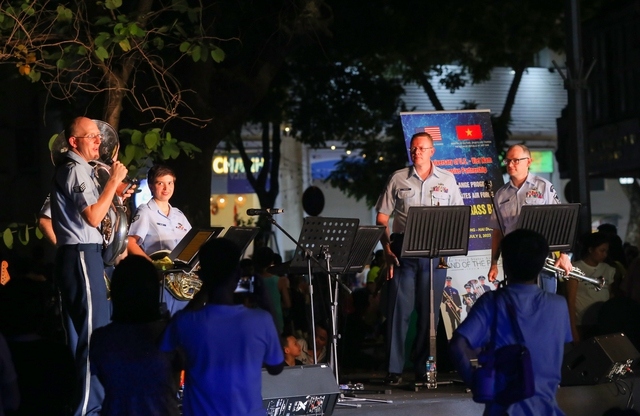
x=195, y=53
x=34, y=75
x=218, y=55
x=113, y=4
x=27, y=9
x=64, y=14
x=158, y=43
x=103, y=20
x=189, y=148
x=101, y=53
x=82, y=51
x=170, y=151
x=151, y=140
x=61, y=63
x=118, y=29
x=204, y=53
x=184, y=46
x=136, y=30
x=101, y=38
x=7, y=237
x=24, y=236
x=124, y=44
x=136, y=137
x=51, y=140
x=129, y=154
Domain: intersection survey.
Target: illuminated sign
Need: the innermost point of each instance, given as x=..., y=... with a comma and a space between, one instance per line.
x=224, y=165
x=542, y=161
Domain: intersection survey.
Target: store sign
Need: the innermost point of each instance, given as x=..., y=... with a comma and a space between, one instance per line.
x=223, y=165
x=229, y=174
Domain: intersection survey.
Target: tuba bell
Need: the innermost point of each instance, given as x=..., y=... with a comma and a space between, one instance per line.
x=115, y=225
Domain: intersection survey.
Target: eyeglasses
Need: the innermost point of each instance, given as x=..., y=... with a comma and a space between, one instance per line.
x=506, y=162
x=419, y=149
x=91, y=136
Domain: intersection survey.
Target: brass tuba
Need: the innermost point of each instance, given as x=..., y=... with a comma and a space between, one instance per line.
x=115, y=225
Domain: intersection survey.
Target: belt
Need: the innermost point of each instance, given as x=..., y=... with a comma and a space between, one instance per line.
x=83, y=247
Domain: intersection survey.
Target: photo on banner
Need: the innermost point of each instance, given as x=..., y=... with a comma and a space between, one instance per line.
x=464, y=145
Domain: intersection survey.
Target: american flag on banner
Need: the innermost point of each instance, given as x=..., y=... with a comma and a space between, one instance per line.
x=434, y=132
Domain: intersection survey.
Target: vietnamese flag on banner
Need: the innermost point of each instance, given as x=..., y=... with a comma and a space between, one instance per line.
x=470, y=132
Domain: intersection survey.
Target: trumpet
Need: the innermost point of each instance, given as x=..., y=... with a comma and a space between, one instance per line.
x=597, y=282
x=455, y=309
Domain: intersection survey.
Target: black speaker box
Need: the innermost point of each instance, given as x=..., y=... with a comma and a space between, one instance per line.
x=595, y=360
x=300, y=390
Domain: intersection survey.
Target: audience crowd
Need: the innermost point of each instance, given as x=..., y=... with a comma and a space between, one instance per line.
x=139, y=356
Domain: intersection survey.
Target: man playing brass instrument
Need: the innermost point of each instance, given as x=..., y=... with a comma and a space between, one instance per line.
x=78, y=206
x=523, y=188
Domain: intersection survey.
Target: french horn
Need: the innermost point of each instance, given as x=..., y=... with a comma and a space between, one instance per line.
x=115, y=225
x=180, y=284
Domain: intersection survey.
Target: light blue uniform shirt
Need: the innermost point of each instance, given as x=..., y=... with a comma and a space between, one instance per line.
x=156, y=230
x=74, y=190
x=509, y=200
x=405, y=189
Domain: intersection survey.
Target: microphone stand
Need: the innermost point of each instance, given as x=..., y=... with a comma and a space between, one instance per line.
x=308, y=255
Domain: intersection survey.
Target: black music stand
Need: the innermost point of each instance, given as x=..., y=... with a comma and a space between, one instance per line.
x=367, y=237
x=329, y=239
x=557, y=223
x=433, y=232
x=185, y=254
x=242, y=236
x=318, y=233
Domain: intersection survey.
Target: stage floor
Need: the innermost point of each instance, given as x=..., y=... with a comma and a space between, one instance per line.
x=454, y=399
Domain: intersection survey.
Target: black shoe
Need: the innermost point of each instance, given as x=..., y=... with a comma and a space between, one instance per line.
x=393, y=379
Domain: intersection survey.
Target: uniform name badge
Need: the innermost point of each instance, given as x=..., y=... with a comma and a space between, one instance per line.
x=439, y=198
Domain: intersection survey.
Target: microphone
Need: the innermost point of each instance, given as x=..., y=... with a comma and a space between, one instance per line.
x=268, y=211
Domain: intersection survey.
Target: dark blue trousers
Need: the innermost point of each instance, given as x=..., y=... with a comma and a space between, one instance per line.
x=79, y=275
x=409, y=290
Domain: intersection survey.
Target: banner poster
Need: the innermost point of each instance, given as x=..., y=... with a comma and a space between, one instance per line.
x=464, y=145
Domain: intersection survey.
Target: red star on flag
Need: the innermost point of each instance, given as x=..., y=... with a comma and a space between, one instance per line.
x=470, y=132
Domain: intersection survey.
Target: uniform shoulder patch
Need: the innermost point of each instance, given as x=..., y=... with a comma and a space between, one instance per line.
x=79, y=188
x=135, y=218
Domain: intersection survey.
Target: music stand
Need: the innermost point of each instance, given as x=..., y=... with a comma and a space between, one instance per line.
x=433, y=232
x=557, y=223
x=242, y=236
x=185, y=254
x=367, y=237
x=337, y=234
x=330, y=239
